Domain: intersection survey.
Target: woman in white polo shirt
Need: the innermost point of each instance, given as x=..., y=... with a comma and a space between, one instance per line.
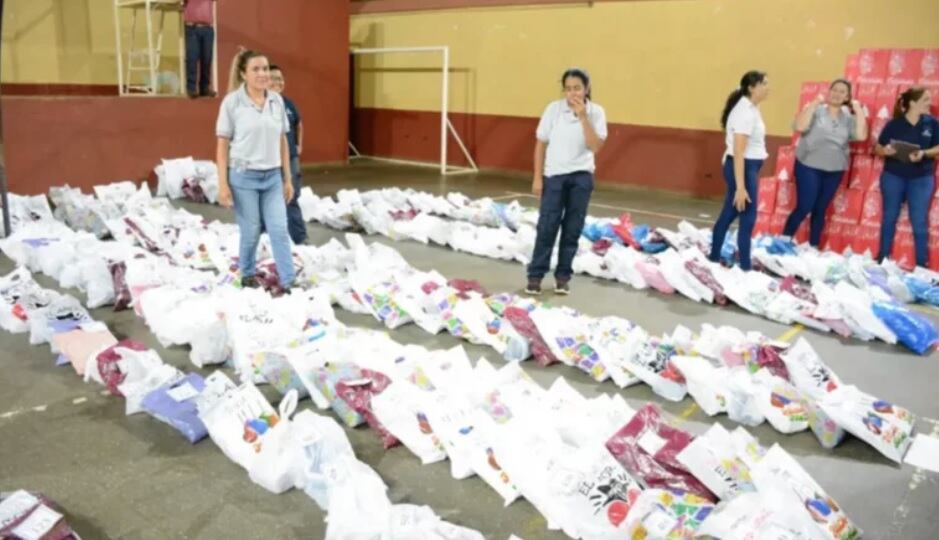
x=743, y=156
x=571, y=131
x=254, y=164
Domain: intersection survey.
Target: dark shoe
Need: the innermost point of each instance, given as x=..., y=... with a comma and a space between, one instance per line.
x=209, y=94
x=249, y=282
x=562, y=287
x=192, y=95
x=534, y=287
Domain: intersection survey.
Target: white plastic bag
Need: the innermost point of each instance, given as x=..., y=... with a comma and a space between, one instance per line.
x=400, y=409
x=274, y=466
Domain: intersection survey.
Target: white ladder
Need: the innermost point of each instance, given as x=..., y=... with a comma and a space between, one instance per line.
x=139, y=76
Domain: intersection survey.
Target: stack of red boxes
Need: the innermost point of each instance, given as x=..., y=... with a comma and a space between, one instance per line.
x=878, y=76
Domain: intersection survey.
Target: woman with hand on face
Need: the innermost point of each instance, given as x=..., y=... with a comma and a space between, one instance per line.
x=744, y=153
x=822, y=156
x=254, y=164
x=908, y=176
x=571, y=131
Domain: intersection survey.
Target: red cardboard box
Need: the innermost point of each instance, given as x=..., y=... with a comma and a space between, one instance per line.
x=777, y=223
x=877, y=169
x=802, y=234
x=785, y=163
x=904, y=66
x=766, y=200
x=866, y=93
x=833, y=237
x=847, y=206
x=872, y=65
x=885, y=101
x=861, y=172
x=933, y=251
x=934, y=92
x=810, y=91
x=872, y=209
x=852, y=67
x=764, y=222
x=933, y=216
x=929, y=68
x=877, y=125
x=866, y=238
x=785, y=198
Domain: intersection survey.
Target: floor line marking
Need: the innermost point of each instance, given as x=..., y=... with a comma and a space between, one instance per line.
x=632, y=210
x=791, y=333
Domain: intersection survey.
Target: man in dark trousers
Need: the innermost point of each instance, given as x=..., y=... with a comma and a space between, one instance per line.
x=200, y=42
x=295, y=224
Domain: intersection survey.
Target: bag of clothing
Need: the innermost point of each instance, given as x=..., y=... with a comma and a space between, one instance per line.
x=175, y=404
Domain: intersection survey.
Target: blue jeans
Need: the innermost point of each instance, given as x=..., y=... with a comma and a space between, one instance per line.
x=260, y=195
x=751, y=172
x=564, y=200
x=917, y=192
x=295, y=224
x=815, y=190
x=200, y=41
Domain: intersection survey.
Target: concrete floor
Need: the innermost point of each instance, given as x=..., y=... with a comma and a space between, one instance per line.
x=135, y=478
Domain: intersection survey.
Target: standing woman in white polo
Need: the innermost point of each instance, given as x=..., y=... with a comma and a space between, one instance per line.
x=571, y=131
x=744, y=153
x=254, y=164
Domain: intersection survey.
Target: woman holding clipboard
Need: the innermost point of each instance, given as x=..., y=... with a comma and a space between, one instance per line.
x=909, y=143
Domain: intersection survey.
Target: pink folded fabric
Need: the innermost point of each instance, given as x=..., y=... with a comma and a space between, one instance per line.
x=76, y=346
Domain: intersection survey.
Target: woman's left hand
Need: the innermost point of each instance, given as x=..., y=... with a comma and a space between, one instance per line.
x=288, y=191
x=917, y=156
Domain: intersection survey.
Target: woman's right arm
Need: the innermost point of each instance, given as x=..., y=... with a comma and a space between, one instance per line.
x=804, y=119
x=537, y=182
x=221, y=161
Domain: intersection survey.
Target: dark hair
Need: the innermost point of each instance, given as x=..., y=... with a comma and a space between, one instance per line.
x=750, y=78
x=902, y=105
x=580, y=74
x=273, y=67
x=847, y=100
x=238, y=66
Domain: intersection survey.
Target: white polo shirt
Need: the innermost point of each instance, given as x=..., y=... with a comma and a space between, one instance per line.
x=567, y=150
x=254, y=131
x=745, y=119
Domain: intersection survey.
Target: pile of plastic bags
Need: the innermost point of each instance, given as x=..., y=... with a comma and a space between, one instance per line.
x=189, y=179
x=30, y=515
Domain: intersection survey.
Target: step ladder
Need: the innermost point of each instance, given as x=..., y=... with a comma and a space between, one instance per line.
x=139, y=75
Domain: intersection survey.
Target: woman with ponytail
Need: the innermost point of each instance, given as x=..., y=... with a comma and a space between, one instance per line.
x=827, y=125
x=744, y=153
x=908, y=176
x=254, y=164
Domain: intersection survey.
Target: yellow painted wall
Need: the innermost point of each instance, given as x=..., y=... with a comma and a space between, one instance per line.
x=71, y=41
x=657, y=62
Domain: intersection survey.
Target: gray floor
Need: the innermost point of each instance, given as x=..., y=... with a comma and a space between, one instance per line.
x=132, y=477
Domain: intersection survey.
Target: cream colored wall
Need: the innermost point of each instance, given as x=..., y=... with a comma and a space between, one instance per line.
x=664, y=63
x=71, y=41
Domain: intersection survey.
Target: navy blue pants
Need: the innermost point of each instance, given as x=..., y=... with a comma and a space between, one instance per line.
x=751, y=173
x=815, y=190
x=917, y=193
x=564, y=201
x=200, y=41
x=295, y=224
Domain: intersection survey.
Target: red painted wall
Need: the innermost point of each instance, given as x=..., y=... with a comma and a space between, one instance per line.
x=682, y=160
x=84, y=141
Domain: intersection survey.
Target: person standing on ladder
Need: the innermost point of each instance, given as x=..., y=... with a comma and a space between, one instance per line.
x=200, y=43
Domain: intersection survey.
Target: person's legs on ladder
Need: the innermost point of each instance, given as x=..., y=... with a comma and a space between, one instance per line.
x=192, y=60
x=206, y=49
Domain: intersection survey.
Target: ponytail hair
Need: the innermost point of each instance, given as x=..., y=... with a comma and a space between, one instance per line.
x=904, y=100
x=580, y=74
x=239, y=64
x=847, y=100
x=749, y=80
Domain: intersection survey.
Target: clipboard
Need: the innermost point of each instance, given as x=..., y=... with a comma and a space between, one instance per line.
x=904, y=149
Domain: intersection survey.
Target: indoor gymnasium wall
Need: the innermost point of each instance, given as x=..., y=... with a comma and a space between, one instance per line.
x=91, y=139
x=661, y=69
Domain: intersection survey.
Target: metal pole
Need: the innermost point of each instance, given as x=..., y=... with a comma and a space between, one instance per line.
x=117, y=41
x=215, y=49
x=445, y=90
x=4, y=200
x=150, y=53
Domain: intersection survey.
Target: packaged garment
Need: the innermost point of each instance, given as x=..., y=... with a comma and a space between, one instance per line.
x=752, y=516
x=63, y=313
x=647, y=447
x=568, y=338
x=881, y=424
x=25, y=516
x=358, y=503
x=781, y=403
x=712, y=459
x=743, y=397
x=650, y=360
x=807, y=372
x=400, y=408
x=276, y=466
x=410, y=522
x=828, y=432
x=175, y=404
x=613, y=338
x=107, y=369
x=652, y=275
x=913, y=330
x=667, y=514
x=21, y=296
x=781, y=476
x=621, y=262
x=704, y=275
x=144, y=372
x=705, y=382
x=326, y=378
x=358, y=394
x=521, y=322
x=80, y=345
